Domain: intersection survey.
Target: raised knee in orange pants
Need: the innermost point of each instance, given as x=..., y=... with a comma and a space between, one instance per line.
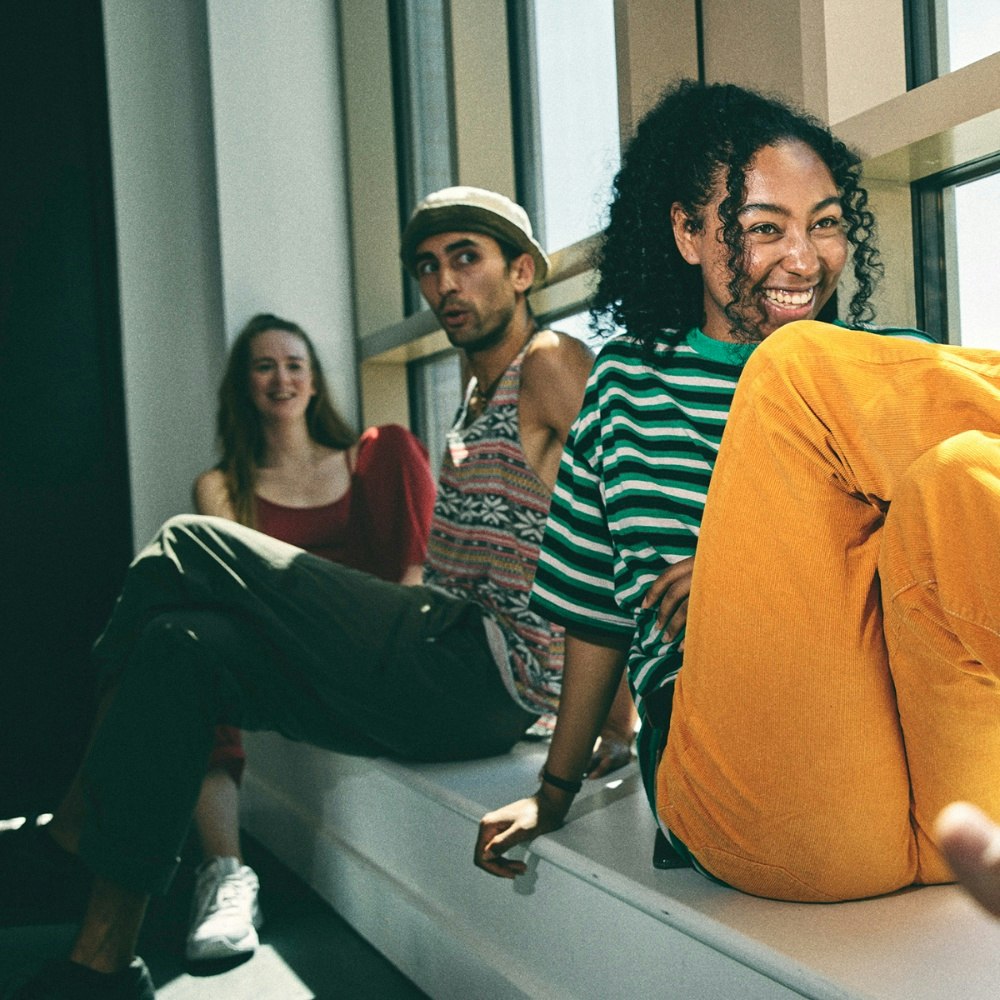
x=841, y=678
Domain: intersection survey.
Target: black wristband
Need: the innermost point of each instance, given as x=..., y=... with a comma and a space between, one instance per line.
x=561, y=783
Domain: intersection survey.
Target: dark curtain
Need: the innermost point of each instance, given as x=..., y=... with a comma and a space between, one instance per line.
x=65, y=502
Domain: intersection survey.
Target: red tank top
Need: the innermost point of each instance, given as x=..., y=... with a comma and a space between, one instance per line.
x=380, y=525
x=319, y=530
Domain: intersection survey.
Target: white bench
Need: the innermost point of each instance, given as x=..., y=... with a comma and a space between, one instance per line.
x=390, y=845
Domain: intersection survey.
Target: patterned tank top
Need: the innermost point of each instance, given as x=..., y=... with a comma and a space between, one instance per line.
x=488, y=525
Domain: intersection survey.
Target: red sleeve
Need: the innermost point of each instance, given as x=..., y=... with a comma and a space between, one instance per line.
x=394, y=499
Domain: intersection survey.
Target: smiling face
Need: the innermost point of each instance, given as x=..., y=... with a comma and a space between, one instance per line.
x=471, y=288
x=794, y=243
x=281, y=379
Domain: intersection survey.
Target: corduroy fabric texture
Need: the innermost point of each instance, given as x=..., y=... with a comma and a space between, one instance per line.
x=841, y=678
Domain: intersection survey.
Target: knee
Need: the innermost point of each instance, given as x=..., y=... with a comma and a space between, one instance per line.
x=944, y=505
x=179, y=522
x=185, y=535
x=175, y=527
x=970, y=449
x=963, y=465
x=186, y=524
x=797, y=351
x=177, y=650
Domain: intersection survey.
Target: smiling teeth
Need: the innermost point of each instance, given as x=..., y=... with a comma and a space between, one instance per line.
x=783, y=298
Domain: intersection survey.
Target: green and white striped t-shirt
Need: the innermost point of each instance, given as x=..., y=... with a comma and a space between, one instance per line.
x=630, y=494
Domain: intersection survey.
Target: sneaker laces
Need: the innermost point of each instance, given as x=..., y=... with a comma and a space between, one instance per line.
x=229, y=893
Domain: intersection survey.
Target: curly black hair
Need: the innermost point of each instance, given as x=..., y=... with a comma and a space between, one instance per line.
x=679, y=151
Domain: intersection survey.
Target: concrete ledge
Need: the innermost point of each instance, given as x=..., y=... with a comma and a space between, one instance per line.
x=390, y=845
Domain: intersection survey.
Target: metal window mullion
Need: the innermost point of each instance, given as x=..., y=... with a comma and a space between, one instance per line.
x=525, y=110
x=929, y=266
x=920, y=26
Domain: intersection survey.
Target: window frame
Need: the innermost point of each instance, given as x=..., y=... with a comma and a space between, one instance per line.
x=934, y=305
x=920, y=27
x=419, y=412
x=526, y=127
x=408, y=184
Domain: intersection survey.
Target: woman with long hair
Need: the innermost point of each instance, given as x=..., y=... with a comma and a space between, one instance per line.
x=293, y=468
x=836, y=622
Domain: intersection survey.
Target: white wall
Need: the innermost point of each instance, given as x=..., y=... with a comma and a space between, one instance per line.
x=279, y=155
x=227, y=158
x=168, y=247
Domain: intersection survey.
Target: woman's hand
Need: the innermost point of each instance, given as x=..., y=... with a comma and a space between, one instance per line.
x=518, y=823
x=592, y=674
x=671, y=590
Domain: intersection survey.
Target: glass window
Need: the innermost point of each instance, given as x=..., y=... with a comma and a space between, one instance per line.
x=425, y=133
x=945, y=35
x=565, y=89
x=972, y=218
x=966, y=31
x=435, y=389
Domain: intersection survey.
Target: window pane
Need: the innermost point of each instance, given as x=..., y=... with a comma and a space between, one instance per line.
x=424, y=118
x=435, y=387
x=970, y=244
x=967, y=31
x=573, y=117
x=429, y=98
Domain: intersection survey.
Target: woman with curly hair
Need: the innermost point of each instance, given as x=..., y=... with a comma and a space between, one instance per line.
x=812, y=638
x=292, y=468
x=688, y=163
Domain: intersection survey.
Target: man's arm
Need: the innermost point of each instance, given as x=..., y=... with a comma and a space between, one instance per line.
x=591, y=677
x=614, y=748
x=553, y=377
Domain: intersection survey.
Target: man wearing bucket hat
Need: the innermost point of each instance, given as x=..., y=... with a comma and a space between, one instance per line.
x=472, y=209
x=474, y=256
x=220, y=624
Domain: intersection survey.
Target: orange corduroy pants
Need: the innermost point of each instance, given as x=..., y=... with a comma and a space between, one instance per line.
x=841, y=680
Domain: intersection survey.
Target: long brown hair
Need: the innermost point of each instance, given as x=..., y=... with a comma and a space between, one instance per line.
x=238, y=424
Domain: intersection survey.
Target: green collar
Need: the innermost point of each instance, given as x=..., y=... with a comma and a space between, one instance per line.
x=723, y=351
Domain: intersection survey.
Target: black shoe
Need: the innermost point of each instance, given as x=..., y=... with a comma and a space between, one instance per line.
x=40, y=883
x=68, y=981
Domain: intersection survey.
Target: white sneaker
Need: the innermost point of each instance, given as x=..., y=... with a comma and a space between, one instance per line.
x=224, y=912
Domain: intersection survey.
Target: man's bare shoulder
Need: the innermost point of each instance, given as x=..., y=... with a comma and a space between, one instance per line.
x=553, y=379
x=553, y=353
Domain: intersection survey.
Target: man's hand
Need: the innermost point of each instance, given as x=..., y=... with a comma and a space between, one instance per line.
x=613, y=751
x=671, y=590
x=517, y=823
